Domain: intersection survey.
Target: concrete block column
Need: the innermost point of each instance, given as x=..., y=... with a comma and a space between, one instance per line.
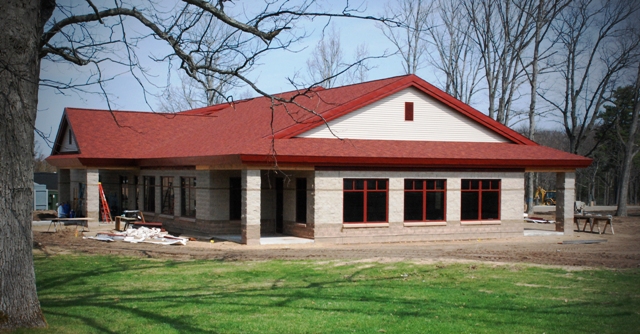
x=251, y=182
x=92, y=197
x=396, y=200
x=565, y=198
x=204, y=198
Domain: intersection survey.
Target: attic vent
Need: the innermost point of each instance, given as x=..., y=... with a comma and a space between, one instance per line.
x=70, y=137
x=408, y=111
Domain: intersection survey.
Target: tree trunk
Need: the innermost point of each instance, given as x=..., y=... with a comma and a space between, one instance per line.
x=629, y=153
x=21, y=27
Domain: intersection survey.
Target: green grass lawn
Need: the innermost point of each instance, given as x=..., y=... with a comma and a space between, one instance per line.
x=82, y=294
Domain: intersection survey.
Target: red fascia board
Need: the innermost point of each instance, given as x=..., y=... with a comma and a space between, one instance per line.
x=454, y=163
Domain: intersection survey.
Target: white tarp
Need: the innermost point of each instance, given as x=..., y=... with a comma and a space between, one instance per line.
x=142, y=234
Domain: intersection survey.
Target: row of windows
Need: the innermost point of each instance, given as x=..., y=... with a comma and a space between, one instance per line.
x=366, y=200
x=187, y=195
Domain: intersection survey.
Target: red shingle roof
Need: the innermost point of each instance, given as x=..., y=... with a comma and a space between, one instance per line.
x=246, y=130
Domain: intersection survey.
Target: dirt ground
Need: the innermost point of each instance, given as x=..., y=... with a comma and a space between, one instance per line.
x=621, y=250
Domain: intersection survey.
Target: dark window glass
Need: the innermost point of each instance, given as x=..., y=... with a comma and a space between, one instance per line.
x=408, y=184
x=470, y=206
x=413, y=208
x=301, y=200
x=188, y=196
x=353, y=205
x=377, y=206
x=490, y=204
x=425, y=202
x=167, y=195
x=435, y=206
x=235, y=198
x=136, y=181
x=366, y=201
x=430, y=184
x=149, y=193
x=481, y=202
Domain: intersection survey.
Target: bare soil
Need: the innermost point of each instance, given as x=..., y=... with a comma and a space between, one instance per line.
x=621, y=250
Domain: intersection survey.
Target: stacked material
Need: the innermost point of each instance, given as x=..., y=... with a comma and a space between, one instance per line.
x=142, y=234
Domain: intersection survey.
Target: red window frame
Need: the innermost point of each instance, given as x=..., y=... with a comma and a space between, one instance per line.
x=481, y=186
x=426, y=186
x=366, y=187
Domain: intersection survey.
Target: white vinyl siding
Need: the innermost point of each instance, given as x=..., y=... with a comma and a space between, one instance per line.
x=385, y=120
x=68, y=143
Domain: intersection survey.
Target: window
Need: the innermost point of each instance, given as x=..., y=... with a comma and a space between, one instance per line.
x=235, y=198
x=149, y=193
x=424, y=200
x=166, y=189
x=137, y=192
x=365, y=200
x=301, y=200
x=408, y=111
x=188, y=197
x=480, y=200
x=124, y=193
x=70, y=137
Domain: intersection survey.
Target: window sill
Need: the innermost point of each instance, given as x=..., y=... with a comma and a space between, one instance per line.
x=361, y=225
x=187, y=219
x=483, y=222
x=412, y=224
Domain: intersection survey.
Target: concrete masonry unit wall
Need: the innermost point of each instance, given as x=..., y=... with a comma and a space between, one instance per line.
x=324, y=203
x=328, y=196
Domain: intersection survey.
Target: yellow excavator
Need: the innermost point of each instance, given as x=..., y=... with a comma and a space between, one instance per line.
x=545, y=197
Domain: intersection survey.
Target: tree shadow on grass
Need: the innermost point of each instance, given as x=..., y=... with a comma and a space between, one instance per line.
x=241, y=295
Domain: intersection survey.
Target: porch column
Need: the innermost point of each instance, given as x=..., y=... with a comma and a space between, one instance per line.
x=92, y=207
x=204, y=200
x=565, y=198
x=251, y=207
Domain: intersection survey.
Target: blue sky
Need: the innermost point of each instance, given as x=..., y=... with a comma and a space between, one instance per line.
x=125, y=93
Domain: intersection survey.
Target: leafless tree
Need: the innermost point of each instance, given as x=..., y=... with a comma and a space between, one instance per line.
x=208, y=88
x=595, y=46
x=99, y=36
x=456, y=56
x=502, y=31
x=327, y=62
x=542, y=14
x=629, y=140
x=408, y=37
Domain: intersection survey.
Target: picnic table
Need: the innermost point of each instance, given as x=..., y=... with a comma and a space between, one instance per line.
x=58, y=221
x=135, y=219
x=593, y=220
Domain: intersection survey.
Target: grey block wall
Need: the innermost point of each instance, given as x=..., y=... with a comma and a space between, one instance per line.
x=328, y=209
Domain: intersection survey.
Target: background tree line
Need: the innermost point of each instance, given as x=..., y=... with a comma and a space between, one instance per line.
x=562, y=72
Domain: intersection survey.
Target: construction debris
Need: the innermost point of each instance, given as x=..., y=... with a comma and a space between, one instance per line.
x=142, y=234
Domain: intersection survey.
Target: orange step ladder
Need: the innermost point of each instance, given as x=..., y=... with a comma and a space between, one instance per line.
x=105, y=213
